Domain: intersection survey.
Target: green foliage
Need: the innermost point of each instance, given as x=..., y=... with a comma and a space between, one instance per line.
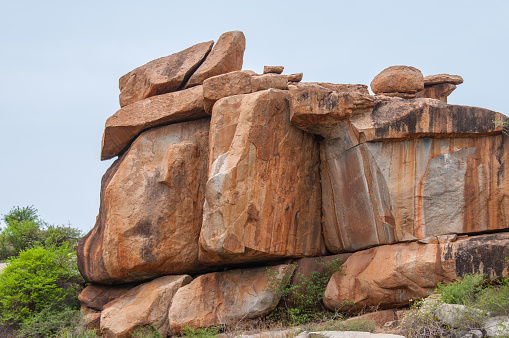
x=480, y=299
x=146, y=332
x=462, y=291
x=301, y=301
x=205, y=332
x=22, y=231
x=362, y=325
x=49, y=322
x=38, y=278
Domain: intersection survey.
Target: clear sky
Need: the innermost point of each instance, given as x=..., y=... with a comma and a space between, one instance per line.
x=60, y=62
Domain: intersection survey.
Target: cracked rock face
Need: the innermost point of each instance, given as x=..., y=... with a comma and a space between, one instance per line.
x=260, y=167
x=390, y=276
x=151, y=208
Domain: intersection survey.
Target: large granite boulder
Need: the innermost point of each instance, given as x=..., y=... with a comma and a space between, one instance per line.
x=398, y=79
x=97, y=296
x=151, y=208
x=389, y=276
x=395, y=170
x=127, y=123
x=260, y=169
x=226, y=298
x=163, y=75
x=226, y=56
x=146, y=304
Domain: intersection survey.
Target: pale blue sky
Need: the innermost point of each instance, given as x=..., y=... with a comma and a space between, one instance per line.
x=60, y=62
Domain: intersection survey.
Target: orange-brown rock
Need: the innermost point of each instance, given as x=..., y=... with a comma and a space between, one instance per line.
x=226, y=56
x=297, y=77
x=91, y=321
x=398, y=79
x=96, y=296
x=442, y=78
x=438, y=91
x=233, y=83
x=337, y=87
x=317, y=109
x=128, y=122
x=266, y=81
x=146, y=304
x=151, y=208
x=226, y=298
x=163, y=75
x=389, y=276
x=408, y=188
x=378, y=317
x=273, y=69
x=260, y=167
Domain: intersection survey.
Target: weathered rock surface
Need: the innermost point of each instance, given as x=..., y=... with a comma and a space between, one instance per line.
x=267, y=81
x=398, y=79
x=146, y=304
x=360, y=88
x=257, y=177
x=163, y=75
x=229, y=84
x=273, y=69
x=239, y=82
x=225, y=298
x=442, y=78
x=318, y=110
x=151, y=208
x=127, y=123
x=437, y=91
x=297, y=77
x=378, y=317
x=346, y=334
x=389, y=276
x=91, y=321
x=408, y=188
x=96, y=296
x=226, y=56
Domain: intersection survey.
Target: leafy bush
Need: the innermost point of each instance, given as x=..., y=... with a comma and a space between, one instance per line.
x=22, y=231
x=205, y=332
x=301, y=302
x=49, y=321
x=38, y=278
x=462, y=291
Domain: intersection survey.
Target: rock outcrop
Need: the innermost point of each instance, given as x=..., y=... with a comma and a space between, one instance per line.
x=223, y=173
x=146, y=304
x=163, y=75
x=151, y=211
x=226, y=298
x=253, y=207
x=391, y=275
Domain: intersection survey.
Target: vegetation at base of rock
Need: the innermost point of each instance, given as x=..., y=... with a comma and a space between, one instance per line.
x=146, y=332
x=204, y=332
x=362, y=325
x=477, y=299
x=39, y=287
x=301, y=301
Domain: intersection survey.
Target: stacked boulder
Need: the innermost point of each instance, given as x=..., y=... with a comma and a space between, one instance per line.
x=223, y=173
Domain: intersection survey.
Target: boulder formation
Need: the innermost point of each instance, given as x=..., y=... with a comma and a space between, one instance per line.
x=223, y=174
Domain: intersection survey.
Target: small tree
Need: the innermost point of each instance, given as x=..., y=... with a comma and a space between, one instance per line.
x=22, y=231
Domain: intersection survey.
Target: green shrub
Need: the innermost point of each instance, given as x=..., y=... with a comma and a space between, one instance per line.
x=462, y=291
x=49, y=321
x=38, y=278
x=301, y=301
x=146, y=332
x=22, y=231
x=494, y=299
x=205, y=332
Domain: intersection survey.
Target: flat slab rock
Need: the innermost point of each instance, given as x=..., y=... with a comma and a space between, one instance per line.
x=225, y=297
x=389, y=276
x=151, y=208
x=260, y=167
x=163, y=75
x=127, y=123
